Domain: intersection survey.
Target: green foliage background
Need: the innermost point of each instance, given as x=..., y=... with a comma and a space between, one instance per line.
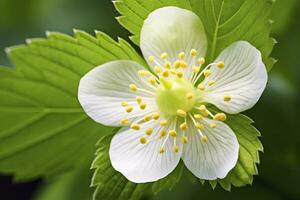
x=275, y=115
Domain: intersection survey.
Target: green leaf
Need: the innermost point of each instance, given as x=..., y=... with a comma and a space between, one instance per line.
x=250, y=146
x=112, y=185
x=43, y=129
x=225, y=21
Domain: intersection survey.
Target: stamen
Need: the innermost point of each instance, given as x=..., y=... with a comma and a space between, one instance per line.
x=156, y=116
x=143, y=140
x=227, y=98
x=201, y=87
x=157, y=69
x=144, y=73
x=220, y=117
x=207, y=73
x=177, y=64
x=198, y=116
x=201, y=61
x=202, y=108
x=181, y=113
x=193, y=52
x=162, y=134
x=183, y=126
x=124, y=121
x=196, y=69
x=184, y=140
x=161, y=150
x=199, y=126
x=166, y=73
x=133, y=87
x=164, y=56
x=211, y=83
x=152, y=81
x=149, y=131
x=138, y=99
x=173, y=133
x=151, y=59
x=147, y=118
x=135, y=126
x=220, y=64
x=143, y=105
x=175, y=149
x=173, y=71
x=129, y=109
x=189, y=96
x=204, y=138
x=124, y=103
x=179, y=74
x=183, y=64
x=163, y=122
x=168, y=65
x=181, y=55
x=213, y=125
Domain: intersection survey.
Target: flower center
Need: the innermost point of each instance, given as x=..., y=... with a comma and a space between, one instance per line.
x=175, y=94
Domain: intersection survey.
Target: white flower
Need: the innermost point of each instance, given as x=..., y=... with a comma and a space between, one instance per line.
x=163, y=112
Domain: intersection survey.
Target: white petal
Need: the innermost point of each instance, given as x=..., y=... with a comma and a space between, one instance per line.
x=102, y=90
x=215, y=158
x=243, y=78
x=173, y=30
x=142, y=163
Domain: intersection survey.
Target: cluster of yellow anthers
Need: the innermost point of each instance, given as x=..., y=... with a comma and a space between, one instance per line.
x=197, y=115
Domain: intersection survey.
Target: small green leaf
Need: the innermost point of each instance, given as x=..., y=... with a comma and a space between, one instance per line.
x=43, y=129
x=224, y=21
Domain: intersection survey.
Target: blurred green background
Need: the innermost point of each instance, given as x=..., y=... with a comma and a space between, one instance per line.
x=276, y=115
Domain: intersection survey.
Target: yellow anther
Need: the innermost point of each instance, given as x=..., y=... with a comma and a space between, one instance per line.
x=181, y=55
x=202, y=108
x=183, y=126
x=129, y=109
x=175, y=149
x=199, y=126
x=143, y=105
x=213, y=125
x=201, y=87
x=173, y=133
x=196, y=69
x=162, y=134
x=179, y=74
x=124, y=103
x=207, y=73
x=181, y=113
x=163, y=122
x=149, y=131
x=138, y=99
x=133, y=87
x=189, y=96
x=157, y=69
x=144, y=73
x=164, y=56
x=135, y=126
x=204, y=138
x=152, y=81
x=177, y=64
x=147, y=118
x=205, y=113
x=220, y=64
x=143, y=140
x=220, y=117
x=124, y=121
x=161, y=150
x=198, y=116
x=184, y=140
x=151, y=59
x=201, y=61
x=168, y=65
x=227, y=98
x=183, y=64
x=166, y=73
x=193, y=52
x=211, y=83
x=156, y=116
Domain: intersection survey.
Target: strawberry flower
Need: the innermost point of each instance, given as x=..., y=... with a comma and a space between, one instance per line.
x=163, y=111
